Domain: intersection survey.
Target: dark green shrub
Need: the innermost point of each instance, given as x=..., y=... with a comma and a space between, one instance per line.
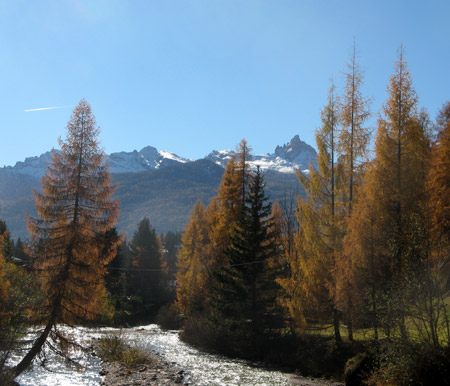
x=168, y=317
x=358, y=369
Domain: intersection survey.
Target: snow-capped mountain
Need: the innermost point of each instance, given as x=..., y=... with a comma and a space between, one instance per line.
x=295, y=155
x=149, y=158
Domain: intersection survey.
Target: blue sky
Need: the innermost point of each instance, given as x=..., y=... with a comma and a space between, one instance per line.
x=190, y=76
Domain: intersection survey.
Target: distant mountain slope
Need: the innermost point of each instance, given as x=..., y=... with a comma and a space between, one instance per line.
x=159, y=185
x=165, y=196
x=149, y=158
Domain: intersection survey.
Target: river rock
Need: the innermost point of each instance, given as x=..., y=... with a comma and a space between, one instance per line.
x=156, y=373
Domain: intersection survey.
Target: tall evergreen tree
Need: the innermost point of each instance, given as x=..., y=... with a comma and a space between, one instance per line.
x=75, y=209
x=8, y=244
x=148, y=274
x=245, y=289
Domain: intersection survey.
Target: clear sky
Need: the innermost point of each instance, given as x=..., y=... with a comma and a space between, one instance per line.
x=190, y=76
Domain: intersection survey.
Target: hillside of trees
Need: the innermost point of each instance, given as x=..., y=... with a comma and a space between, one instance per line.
x=165, y=196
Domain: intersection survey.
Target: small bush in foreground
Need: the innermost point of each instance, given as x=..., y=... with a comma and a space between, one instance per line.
x=113, y=349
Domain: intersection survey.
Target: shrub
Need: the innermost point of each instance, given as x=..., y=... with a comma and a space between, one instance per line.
x=412, y=364
x=112, y=348
x=168, y=317
x=358, y=369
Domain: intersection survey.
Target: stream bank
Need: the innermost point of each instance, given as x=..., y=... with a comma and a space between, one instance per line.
x=157, y=372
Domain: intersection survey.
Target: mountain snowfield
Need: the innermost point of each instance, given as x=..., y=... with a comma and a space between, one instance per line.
x=295, y=155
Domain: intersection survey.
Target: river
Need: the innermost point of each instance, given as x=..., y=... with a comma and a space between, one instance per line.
x=202, y=369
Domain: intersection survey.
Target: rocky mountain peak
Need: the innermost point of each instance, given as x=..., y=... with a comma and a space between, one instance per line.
x=295, y=148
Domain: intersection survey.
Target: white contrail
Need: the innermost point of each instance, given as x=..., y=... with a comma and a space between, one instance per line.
x=46, y=108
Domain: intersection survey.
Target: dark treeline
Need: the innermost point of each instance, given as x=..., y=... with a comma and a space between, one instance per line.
x=140, y=278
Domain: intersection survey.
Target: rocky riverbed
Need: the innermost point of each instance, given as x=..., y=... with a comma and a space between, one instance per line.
x=157, y=372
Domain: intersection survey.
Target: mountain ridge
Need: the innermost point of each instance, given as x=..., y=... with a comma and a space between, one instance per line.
x=155, y=184
x=295, y=154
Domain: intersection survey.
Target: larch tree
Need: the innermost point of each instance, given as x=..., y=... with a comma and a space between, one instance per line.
x=353, y=139
x=3, y=289
x=439, y=176
x=5, y=325
x=367, y=264
x=396, y=187
x=312, y=282
x=75, y=210
x=192, y=275
x=437, y=312
x=225, y=209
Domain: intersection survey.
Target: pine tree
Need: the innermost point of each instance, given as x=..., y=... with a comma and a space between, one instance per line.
x=19, y=251
x=147, y=278
x=245, y=289
x=75, y=209
x=171, y=242
x=8, y=244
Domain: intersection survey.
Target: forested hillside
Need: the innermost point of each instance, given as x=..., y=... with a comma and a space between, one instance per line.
x=164, y=195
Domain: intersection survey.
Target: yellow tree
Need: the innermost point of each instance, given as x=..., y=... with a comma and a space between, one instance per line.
x=366, y=269
x=68, y=246
x=226, y=208
x=192, y=275
x=3, y=287
x=395, y=195
x=438, y=268
x=312, y=282
x=439, y=176
x=353, y=139
x=207, y=236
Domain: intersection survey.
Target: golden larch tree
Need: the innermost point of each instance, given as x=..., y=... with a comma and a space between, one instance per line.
x=395, y=193
x=68, y=243
x=312, y=282
x=353, y=139
x=192, y=275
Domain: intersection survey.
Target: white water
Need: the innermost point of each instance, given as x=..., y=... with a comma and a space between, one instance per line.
x=202, y=369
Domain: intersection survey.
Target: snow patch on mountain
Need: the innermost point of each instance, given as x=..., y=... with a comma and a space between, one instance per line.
x=32, y=166
x=149, y=158
x=295, y=155
x=121, y=162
